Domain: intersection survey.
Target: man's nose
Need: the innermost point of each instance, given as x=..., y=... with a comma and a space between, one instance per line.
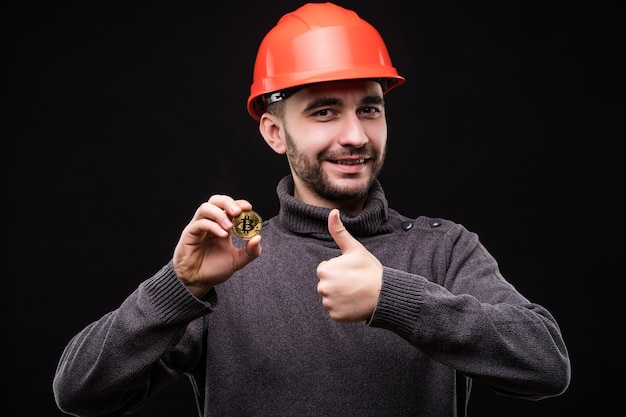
x=353, y=132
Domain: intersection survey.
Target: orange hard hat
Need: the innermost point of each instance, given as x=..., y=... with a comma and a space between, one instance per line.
x=315, y=43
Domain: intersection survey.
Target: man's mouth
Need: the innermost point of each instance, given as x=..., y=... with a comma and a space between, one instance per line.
x=350, y=161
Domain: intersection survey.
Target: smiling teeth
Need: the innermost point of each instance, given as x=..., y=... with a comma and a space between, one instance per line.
x=355, y=162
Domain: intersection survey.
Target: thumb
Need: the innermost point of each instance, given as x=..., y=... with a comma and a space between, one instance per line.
x=249, y=252
x=342, y=237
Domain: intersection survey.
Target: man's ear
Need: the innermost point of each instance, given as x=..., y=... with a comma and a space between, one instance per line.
x=272, y=131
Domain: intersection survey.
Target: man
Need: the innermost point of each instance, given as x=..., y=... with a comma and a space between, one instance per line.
x=348, y=307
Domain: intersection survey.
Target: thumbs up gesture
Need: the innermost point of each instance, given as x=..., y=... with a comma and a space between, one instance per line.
x=350, y=283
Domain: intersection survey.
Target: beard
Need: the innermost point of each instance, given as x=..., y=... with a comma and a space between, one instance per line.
x=311, y=173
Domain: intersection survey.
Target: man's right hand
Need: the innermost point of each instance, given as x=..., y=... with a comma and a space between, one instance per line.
x=205, y=255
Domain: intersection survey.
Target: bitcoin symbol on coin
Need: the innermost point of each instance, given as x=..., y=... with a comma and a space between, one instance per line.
x=247, y=224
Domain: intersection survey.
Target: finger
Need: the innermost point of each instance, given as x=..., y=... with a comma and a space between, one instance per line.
x=243, y=205
x=249, y=252
x=229, y=205
x=253, y=247
x=344, y=239
x=221, y=209
x=209, y=213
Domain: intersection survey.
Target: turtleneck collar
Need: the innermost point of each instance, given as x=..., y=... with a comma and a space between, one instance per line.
x=303, y=218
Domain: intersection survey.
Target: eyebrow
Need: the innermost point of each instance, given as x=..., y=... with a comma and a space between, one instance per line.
x=332, y=101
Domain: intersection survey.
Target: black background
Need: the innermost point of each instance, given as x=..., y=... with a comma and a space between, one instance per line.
x=122, y=117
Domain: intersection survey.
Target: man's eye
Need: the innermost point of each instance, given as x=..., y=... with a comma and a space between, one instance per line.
x=370, y=110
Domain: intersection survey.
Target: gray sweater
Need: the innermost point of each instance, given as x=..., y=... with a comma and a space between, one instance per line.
x=262, y=344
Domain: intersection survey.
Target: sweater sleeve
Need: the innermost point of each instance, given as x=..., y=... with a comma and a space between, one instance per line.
x=472, y=320
x=119, y=361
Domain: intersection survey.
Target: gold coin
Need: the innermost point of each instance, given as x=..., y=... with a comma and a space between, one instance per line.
x=247, y=225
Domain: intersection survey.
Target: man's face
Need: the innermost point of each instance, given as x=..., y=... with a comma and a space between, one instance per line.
x=335, y=137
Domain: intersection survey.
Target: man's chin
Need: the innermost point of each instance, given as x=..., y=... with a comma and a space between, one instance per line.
x=346, y=189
